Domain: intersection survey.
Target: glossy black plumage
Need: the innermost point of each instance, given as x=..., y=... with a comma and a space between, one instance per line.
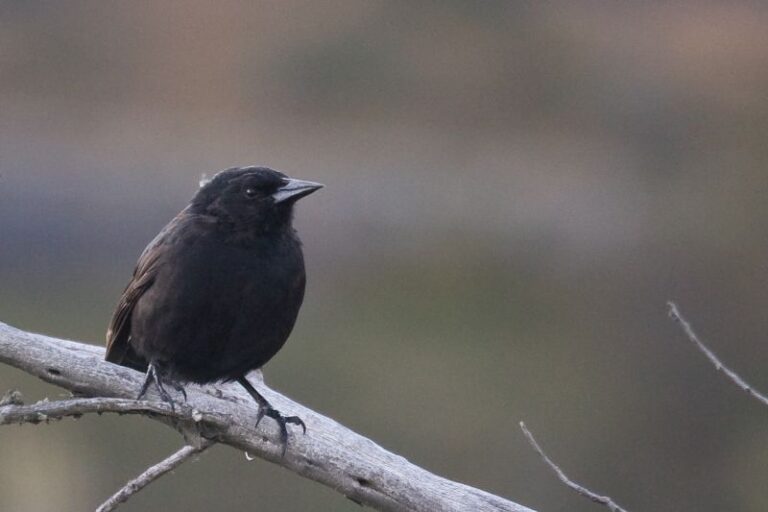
x=217, y=292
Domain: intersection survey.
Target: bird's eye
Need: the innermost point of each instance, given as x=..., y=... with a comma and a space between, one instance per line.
x=250, y=192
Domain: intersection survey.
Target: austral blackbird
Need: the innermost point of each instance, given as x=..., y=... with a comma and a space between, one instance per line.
x=216, y=293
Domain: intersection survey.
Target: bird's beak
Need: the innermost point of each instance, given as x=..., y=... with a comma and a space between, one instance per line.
x=295, y=190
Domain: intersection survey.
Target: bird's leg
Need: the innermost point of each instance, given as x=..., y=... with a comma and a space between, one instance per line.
x=148, y=378
x=153, y=376
x=266, y=409
x=179, y=388
x=162, y=375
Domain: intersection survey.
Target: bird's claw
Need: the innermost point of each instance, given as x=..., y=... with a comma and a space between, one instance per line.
x=166, y=398
x=154, y=377
x=178, y=387
x=282, y=422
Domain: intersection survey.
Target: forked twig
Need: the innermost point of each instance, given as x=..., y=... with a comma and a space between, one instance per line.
x=329, y=453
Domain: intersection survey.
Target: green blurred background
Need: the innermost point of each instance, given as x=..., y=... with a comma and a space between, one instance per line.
x=514, y=190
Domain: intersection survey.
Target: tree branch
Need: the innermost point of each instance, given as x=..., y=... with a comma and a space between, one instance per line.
x=678, y=317
x=329, y=453
x=583, y=491
x=150, y=475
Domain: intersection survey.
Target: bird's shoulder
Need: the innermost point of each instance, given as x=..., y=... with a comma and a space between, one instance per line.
x=186, y=228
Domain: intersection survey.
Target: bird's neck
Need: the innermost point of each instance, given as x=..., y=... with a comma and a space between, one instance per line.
x=255, y=236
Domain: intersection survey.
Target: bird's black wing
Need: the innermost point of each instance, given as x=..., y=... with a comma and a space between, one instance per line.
x=119, y=349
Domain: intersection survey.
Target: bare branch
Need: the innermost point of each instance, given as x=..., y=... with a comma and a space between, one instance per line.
x=76, y=407
x=329, y=453
x=602, y=500
x=678, y=317
x=150, y=475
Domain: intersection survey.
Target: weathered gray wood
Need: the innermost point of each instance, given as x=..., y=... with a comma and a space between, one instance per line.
x=329, y=453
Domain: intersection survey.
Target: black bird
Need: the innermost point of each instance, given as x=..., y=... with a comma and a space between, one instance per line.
x=216, y=293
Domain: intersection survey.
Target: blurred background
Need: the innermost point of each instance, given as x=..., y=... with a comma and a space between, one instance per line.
x=514, y=191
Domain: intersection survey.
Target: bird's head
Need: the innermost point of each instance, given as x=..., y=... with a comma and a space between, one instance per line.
x=251, y=198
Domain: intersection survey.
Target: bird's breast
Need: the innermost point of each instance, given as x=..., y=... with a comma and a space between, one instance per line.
x=217, y=308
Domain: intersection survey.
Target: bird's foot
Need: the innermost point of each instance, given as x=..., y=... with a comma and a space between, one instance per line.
x=180, y=389
x=153, y=376
x=266, y=409
x=282, y=422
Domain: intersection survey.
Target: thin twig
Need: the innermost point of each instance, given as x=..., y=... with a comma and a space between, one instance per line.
x=150, y=475
x=678, y=317
x=603, y=500
x=46, y=411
